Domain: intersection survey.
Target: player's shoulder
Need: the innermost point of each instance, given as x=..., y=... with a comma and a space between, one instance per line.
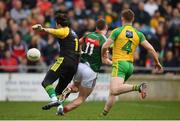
x=63, y=28
x=118, y=29
x=89, y=34
x=140, y=35
x=115, y=32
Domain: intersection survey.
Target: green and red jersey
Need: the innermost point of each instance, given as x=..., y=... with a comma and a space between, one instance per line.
x=92, y=49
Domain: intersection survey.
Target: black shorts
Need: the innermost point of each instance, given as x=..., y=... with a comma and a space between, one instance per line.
x=64, y=70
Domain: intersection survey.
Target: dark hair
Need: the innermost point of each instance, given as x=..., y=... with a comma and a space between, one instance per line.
x=62, y=19
x=100, y=24
x=128, y=15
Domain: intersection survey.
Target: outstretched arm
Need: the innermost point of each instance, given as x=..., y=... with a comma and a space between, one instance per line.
x=151, y=50
x=61, y=33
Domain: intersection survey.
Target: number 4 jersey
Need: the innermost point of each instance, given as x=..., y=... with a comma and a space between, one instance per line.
x=91, y=49
x=126, y=39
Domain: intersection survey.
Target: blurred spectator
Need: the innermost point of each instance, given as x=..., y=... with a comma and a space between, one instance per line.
x=150, y=7
x=170, y=60
x=134, y=6
x=2, y=49
x=156, y=19
x=17, y=12
x=108, y=13
x=50, y=18
x=9, y=62
x=18, y=48
x=142, y=17
x=25, y=31
x=117, y=5
x=176, y=17
x=163, y=48
x=96, y=12
x=29, y=3
x=44, y=5
x=35, y=42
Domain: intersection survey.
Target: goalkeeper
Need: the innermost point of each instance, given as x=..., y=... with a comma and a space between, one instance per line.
x=66, y=65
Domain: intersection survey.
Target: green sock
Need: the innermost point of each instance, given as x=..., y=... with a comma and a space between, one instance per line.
x=136, y=88
x=105, y=112
x=51, y=91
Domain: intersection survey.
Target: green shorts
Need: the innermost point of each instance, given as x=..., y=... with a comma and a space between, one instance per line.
x=122, y=69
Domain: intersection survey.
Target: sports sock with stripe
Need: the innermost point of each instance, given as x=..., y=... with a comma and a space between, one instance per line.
x=51, y=92
x=136, y=87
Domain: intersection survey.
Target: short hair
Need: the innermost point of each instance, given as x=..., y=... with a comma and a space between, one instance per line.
x=100, y=24
x=62, y=19
x=128, y=15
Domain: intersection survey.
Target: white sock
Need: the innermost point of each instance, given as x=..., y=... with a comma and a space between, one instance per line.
x=54, y=98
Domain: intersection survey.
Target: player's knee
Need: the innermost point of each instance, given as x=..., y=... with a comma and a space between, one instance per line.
x=43, y=84
x=114, y=90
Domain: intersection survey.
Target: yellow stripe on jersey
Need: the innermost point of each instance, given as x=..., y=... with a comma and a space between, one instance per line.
x=124, y=46
x=76, y=44
x=60, y=33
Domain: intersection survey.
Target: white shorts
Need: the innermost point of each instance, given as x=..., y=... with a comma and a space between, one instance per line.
x=85, y=75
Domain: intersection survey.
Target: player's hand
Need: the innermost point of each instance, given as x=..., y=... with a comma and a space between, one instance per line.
x=106, y=60
x=159, y=67
x=37, y=27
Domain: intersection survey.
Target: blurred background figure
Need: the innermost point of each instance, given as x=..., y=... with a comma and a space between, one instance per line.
x=9, y=62
x=159, y=20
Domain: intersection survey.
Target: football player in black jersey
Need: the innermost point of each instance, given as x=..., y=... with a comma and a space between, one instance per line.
x=66, y=65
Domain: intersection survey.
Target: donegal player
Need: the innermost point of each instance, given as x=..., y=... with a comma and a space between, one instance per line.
x=90, y=64
x=126, y=39
x=66, y=64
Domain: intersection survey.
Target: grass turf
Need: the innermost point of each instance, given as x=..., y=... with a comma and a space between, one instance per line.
x=91, y=110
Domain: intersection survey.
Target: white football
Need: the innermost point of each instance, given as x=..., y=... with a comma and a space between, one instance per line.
x=33, y=54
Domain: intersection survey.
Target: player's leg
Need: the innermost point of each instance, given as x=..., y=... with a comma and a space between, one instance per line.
x=87, y=78
x=110, y=102
x=47, y=84
x=65, y=72
x=117, y=86
x=71, y=88
x=121, y=71
x=83, y=94
x=141, y=88
x=83, y=76
x=49, y=79
x=74, y=87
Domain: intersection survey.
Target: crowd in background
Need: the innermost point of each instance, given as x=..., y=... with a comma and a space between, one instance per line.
x=159, y=20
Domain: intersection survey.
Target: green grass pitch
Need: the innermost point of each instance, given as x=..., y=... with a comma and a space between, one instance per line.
x=91, y=110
